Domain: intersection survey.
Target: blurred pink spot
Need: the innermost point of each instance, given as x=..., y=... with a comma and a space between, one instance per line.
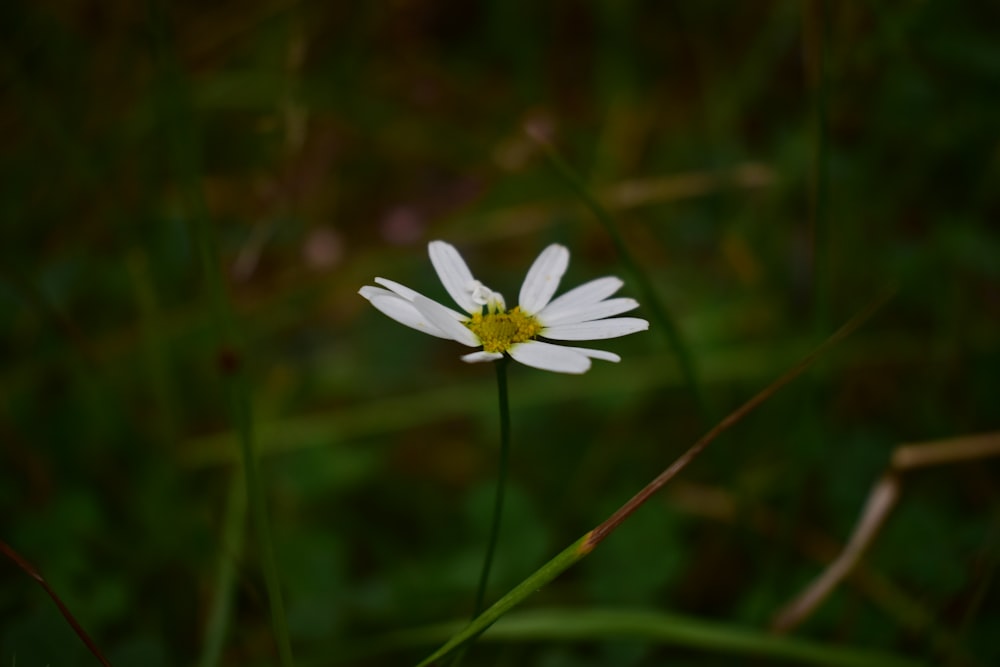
x=514, y=152
x=539, y=126
x=323, y=249
x=402, y=225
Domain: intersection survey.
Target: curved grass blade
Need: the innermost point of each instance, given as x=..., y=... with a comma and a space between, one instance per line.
x=680, y=630
x=666, y=629
x=540, y=578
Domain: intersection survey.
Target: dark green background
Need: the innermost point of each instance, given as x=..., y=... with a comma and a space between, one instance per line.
x=163, y=164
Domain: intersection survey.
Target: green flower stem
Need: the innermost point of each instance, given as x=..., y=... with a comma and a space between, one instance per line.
x=484, y=576
x=589, y=542
x=650, y=299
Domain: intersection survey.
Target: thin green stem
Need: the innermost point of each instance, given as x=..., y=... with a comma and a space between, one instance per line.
x=662, y=319
x=484, y=576
x=586, y=544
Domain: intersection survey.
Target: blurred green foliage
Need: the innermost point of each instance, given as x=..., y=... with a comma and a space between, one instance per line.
x=770, y=165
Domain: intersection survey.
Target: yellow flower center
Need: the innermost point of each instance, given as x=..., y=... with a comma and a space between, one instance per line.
x=498, y=331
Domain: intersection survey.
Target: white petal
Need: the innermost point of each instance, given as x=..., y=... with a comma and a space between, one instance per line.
x=368, y=291
x=543, y=279
x=441, y=317
x=586, y=294
x=598, y=329
x=475, y=357
x=408, y=294
x=401, y=290
x=598, y=354
x=404, y=312
x=594, y=311
x=454, y=274
x=550, y=357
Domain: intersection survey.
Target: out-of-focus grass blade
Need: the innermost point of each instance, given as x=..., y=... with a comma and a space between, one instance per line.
x=234, y=527
x=669, y=629
x=179, y=124
x=681, y=630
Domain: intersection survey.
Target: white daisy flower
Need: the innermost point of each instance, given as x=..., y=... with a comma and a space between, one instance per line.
x=583, y=313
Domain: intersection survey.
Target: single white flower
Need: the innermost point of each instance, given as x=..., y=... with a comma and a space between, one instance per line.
x=583, y=313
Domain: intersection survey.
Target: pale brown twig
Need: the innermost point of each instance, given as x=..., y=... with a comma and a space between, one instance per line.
x=881, y=500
